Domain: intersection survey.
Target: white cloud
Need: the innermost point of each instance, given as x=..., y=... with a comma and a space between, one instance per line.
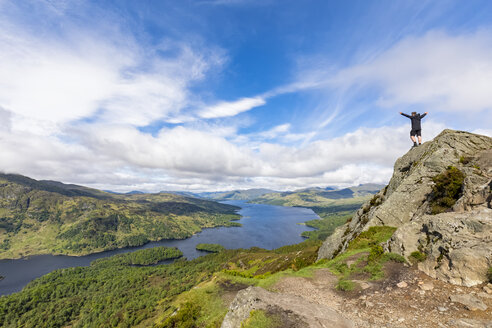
x=225, y=109
x=51, y=81
x=122, y=158
x=5, y=120
x=442, y=71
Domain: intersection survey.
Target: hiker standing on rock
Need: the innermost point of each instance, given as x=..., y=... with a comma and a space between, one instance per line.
x=416, y=128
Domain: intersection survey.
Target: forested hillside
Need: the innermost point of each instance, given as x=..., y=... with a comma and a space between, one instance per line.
x=38, y=217
x=113, y=292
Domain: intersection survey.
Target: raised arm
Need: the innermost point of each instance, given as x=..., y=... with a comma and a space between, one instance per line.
x=406, y=115
x=422, y=116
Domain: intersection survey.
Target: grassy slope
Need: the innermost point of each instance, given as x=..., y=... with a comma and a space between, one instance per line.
x=38, y=217
x=183, y=294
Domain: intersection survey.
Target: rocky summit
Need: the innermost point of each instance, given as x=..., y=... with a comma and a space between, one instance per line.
x=439, y=199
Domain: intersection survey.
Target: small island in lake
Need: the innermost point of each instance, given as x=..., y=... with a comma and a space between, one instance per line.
x=141, y=257
x=212, y=248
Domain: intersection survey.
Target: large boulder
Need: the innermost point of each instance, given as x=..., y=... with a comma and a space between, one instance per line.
x=458, y=246
x=406, y=204
x=293, y=311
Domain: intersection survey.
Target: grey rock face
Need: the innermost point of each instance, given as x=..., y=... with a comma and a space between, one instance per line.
x=471, y=302
x=458, y=244
x=470, y=323
x=294, y=311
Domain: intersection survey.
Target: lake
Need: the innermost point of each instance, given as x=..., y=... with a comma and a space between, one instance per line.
x=264, y=226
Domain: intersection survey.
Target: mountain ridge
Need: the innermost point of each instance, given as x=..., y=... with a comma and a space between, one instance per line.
x=39, y=217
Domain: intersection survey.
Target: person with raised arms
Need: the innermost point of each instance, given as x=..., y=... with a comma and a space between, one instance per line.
x=416, y=126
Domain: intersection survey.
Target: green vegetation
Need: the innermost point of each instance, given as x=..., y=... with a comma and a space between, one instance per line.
x=40, y=217
x=261, y=319
x=141, y=257
x=465, y=159
x=185, y=317
x=212, y=248
x=345, y=285
x=126, y=290
x=418, y=256
x=447, y=190
x=489, y=275
x=371, y=237
x=114, y=293
x=366, y=257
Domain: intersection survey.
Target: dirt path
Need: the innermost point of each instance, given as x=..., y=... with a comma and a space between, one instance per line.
x=419, y=302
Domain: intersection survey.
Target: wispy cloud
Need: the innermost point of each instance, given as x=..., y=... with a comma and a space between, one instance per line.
x=81, y=75
x=449, y=73
x=225, y=109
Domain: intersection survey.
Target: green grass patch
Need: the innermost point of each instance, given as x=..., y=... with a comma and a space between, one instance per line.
x=375, y=253
x=489, y=274
x=366, y=253
x=465, y=159
x=186, y=317
x=394, y=257
x=345, y=285
x=212, y=248
x=373, y=236
x=260, y=319
x=418, y=256
x=447, y=190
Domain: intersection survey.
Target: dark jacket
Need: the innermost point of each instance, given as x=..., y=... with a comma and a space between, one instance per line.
x=415, y=120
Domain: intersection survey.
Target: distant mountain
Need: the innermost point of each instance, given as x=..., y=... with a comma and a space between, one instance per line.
x=135, y=192
x=39, y=217
x=316, y=196
x=183, y=193
x=247, y=194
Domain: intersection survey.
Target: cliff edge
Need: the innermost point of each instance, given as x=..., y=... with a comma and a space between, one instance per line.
x=439, y=199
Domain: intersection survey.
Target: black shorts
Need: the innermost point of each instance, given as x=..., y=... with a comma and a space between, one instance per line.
x=414, y=133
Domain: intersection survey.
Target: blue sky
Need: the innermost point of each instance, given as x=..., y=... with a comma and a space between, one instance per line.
x=224, y=94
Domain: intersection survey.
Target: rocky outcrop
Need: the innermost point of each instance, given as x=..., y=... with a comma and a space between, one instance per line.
x=458, y=243
x=293, y=311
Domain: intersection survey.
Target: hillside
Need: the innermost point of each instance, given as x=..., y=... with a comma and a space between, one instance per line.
x=39, y=217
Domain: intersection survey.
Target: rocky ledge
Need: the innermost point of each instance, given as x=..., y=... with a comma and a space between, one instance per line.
x=291, y=310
